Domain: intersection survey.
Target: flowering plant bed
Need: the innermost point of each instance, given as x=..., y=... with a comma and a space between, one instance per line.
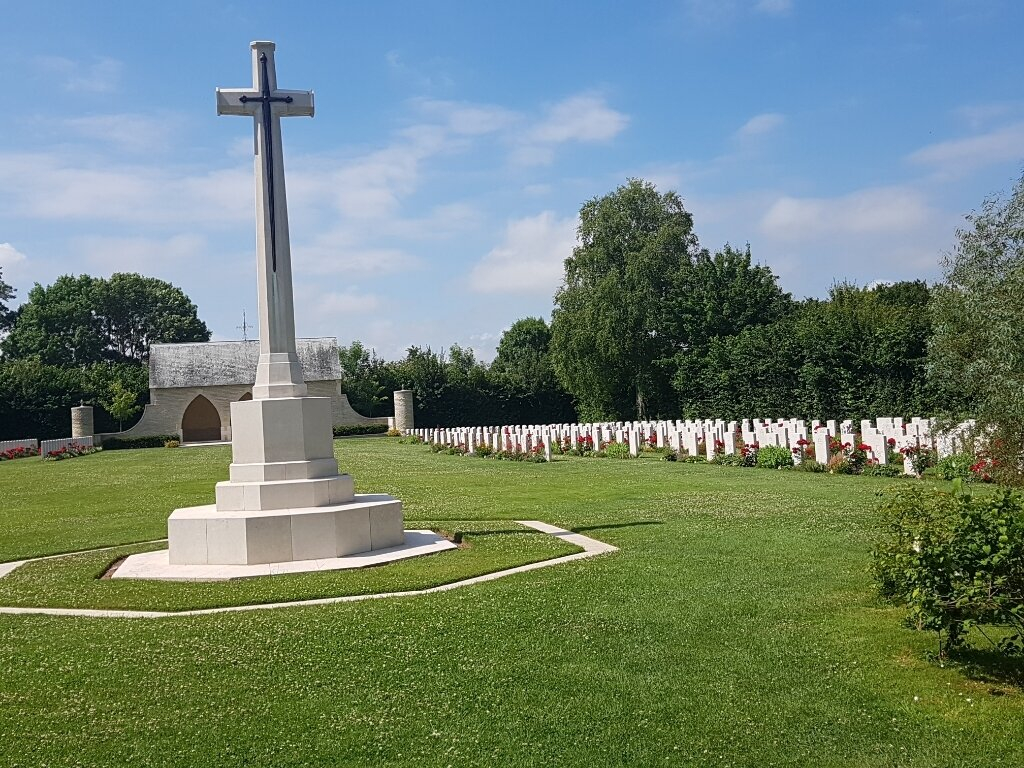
x=18, y=453
x=70, y=451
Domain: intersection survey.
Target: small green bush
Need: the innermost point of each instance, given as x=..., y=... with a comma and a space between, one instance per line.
x=809, y=465
x=171, y=444
x=956, y=561
x=130, y=443
x=882, y=470
x=698, y=459
x=774, y=457
x=615, y=450
x=956, y=466
x=728, y=460
x=394, y=433
x=346, y=430
x=412, y=440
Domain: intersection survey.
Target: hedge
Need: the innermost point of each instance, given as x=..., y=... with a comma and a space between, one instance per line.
x=344, y=430
x=127, y=443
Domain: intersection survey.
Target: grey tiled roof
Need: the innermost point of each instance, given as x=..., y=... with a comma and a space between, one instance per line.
x=233, y=362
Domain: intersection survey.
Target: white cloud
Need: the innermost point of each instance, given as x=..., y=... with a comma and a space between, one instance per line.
x=761, y=124
x=59, y=187
x=584, y=118
x=344, y=303
x=102, y=75
x=530, y=258
x=134, y=133
x=977, y=116
x=11, y=257
x=148, y=255
x=868, y=211
x=774, y=7
x=959, y=156
x=469, y=119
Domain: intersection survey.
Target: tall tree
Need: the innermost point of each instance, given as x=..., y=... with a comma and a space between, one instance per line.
x=524, y=376
x=976, y=354
x=716, y=296
x=6, y=294
x=360, y=368
x=82, y=320
x=609, y=323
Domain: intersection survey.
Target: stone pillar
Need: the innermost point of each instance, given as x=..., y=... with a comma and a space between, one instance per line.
x=403, y=410
x=81, y=421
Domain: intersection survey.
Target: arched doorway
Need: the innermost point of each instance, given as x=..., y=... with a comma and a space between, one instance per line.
x=200, y=422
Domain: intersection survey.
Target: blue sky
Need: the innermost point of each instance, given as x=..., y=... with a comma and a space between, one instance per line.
x=433, y=197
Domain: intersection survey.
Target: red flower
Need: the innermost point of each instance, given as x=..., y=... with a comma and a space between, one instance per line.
x=892, y=442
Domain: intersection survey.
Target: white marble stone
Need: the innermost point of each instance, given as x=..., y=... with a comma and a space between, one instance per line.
x=157, y=565
x=207, y=535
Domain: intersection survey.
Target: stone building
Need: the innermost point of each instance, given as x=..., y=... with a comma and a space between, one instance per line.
x=192, y=386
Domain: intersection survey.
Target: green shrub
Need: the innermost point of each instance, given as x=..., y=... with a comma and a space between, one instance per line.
x=394, y=433
x=412, y=440
x=615, y=450
x=774, y=457
x=728, y=460
x=883, y=470
x=809, y=465
x=955, y=561
x=956, y=466
x=129, y=443
x=698, y=459
x=483, y=450
x=171, y=444
x=345, y=430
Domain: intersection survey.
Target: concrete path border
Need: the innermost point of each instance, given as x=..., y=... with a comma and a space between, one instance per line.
x=591, y=547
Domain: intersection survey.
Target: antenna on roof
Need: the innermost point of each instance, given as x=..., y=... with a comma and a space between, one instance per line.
x=244, y=327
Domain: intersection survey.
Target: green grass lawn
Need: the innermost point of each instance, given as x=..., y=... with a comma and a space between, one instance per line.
x=736, y=626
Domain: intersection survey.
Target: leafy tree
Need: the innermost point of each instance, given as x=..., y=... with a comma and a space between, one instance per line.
x=609, y=324
x=82, y=320
x=716, y=296
x=121, y=403
x=6, y=294
x=523, y=355
x=360, y=368
x=858, y=354
x=976, y=355
x=35, y=399
x=523, y=374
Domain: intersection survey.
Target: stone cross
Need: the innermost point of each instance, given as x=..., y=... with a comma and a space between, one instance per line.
x=278, y=373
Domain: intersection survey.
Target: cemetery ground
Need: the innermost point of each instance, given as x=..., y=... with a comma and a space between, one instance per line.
x=737, y=624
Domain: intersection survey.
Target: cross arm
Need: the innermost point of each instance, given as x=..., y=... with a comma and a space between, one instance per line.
x=230, y=101
x=301, y=104
x=246, y=101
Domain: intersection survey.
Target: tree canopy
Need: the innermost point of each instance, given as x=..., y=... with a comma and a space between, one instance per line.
x=81, y=320
x=611, y=326
x=976, y=355
x=6, y=294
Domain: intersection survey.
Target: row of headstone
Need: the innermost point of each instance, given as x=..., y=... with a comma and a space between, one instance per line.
x=13, y=445
x=881, y=441
x=48, y=446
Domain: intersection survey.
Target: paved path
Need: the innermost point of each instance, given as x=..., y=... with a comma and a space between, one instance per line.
x=591, y=547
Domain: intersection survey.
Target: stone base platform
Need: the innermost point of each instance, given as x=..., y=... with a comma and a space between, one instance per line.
x=155, y=565
x=209, y=536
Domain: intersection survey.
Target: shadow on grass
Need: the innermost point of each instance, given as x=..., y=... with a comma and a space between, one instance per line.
x=987, y=665
x=457, y=536
x=582, y=528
